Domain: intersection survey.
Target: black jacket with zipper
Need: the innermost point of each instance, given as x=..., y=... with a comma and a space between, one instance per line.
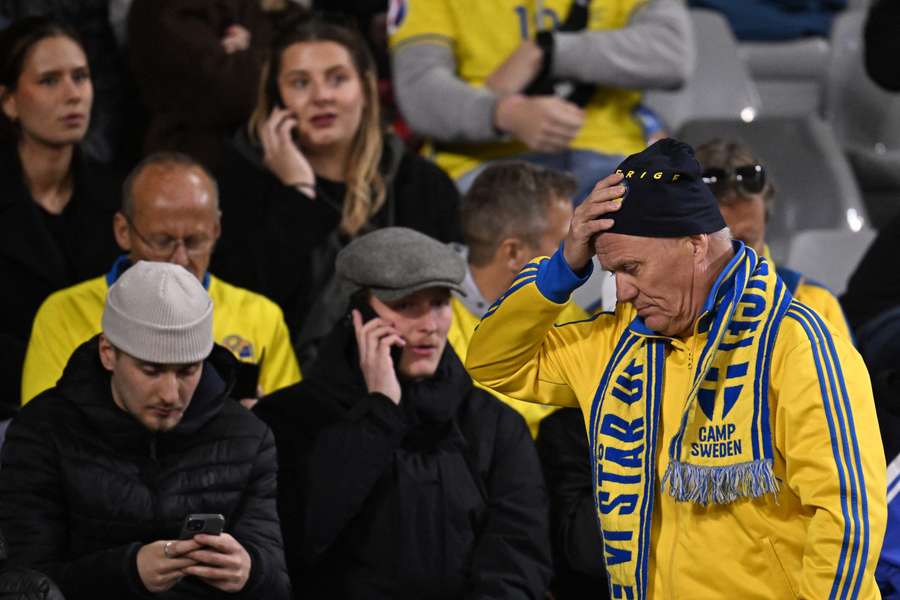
x=83, y=484
x=440, y=497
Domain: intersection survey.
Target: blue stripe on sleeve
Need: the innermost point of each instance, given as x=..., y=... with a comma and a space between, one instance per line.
x=850, y=429
x=838, y=435
x=556, y=280
x=522, y=283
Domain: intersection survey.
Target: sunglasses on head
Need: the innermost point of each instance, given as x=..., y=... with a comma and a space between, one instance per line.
x=747, y=179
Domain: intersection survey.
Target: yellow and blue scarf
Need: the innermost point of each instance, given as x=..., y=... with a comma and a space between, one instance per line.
x=723, y=449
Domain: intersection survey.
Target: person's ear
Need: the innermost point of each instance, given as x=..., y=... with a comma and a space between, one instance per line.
x=512, y=252
x=699, y=244
x=107, y=353
x=8, y=103
x=122, y=231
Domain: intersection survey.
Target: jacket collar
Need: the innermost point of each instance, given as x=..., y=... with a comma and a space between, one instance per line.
x=336, y=376
x=86, y=384
x=122, y=264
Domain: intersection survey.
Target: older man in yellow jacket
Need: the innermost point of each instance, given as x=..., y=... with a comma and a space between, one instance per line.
x=734, y=441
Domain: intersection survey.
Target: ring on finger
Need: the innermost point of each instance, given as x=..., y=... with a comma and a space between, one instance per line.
x=166, y=549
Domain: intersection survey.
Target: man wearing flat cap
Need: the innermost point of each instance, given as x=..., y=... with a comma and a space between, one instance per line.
x=734, y=446
x=398, y=479
x=99, y=472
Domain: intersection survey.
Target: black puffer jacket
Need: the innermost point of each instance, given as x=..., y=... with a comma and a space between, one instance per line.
x=441, y=497
x=83, y=484
x=24, y=584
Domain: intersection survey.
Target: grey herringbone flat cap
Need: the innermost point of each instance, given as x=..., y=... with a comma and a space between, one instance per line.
x=396, y=261
x=160, y=313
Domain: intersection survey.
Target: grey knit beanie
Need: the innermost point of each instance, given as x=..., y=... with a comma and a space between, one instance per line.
x=158, y=312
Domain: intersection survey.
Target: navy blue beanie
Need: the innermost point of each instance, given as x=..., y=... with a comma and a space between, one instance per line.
x=665, y=195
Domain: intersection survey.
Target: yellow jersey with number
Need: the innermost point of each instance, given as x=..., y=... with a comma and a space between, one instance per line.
x=482, y=34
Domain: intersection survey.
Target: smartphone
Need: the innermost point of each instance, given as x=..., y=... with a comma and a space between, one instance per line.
x=368, y=313
x=246, y=379
x=210, y=524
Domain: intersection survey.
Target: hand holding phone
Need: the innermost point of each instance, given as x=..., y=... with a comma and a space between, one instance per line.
x=216, y=557
x=282, y=155
x=380, y=346
x=196, y=523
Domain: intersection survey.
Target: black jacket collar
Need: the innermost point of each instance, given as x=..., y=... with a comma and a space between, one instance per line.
x=336, y=375
x=86, y=384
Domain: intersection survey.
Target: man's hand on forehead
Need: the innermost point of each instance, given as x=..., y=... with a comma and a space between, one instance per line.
x=588, y=221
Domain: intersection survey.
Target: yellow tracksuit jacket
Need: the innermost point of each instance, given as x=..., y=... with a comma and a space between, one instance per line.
x=814, y=295
x=460, y=334
x=805, y=544
x=247, y=323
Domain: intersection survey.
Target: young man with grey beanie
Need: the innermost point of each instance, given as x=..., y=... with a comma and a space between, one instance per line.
x=99, y=472
x=397, y=477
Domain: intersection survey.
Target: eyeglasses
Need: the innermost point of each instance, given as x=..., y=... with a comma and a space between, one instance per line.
x=165, y=246
x=747, y=179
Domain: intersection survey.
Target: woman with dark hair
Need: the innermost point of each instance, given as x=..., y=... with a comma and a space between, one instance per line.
x=115, y=133
x=56, y=206
x=314, y=170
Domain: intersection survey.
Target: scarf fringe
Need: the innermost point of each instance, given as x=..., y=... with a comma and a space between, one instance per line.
x=719, y=485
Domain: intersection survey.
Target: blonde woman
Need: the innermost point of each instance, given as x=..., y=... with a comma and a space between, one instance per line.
x=313, y=170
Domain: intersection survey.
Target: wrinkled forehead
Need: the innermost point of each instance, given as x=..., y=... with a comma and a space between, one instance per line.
x=616, y=249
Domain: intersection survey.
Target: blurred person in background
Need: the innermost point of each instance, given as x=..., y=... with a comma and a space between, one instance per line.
x=313, y=170
x=514, y=211
x=170, y=213
x=117, y=118
x=57, y=204
x=399, y=479
x=196, y=64
x=554, y=82
x=370, y=18
x=746, y=197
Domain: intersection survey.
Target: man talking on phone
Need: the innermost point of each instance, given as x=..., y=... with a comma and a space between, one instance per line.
x=101, y=472
x=398, y=479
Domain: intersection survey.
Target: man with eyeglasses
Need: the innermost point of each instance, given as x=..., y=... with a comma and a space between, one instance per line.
x=746, y=197
x=170, y=213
